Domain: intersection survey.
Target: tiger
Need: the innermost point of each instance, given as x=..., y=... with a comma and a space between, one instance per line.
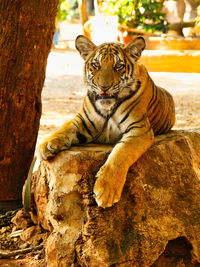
x=122, y=107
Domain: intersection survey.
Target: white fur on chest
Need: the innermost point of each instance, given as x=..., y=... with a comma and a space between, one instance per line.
x=113, y=132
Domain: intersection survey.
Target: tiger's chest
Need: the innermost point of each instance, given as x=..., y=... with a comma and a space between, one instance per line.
x=112, y=133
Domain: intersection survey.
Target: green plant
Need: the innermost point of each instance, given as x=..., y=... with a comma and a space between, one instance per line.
x=140, y=14
x=67, y=10
x=198, y=13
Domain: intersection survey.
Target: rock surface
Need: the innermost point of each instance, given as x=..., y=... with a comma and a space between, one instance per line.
x=156, y=222
x=22, y=220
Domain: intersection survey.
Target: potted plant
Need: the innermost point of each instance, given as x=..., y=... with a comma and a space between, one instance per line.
x=139, y=16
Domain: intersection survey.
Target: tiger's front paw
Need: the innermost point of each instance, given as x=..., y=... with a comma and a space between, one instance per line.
x=50, y=147
x=108, y=186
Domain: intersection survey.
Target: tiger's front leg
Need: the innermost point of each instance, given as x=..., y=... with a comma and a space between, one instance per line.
x=60, y=140
x=72, y=132
x=112, y=175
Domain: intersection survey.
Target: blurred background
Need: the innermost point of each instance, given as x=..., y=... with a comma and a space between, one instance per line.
x=109, y=20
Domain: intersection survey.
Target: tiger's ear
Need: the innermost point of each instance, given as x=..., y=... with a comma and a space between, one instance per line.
x=135, y=47
x=84, y=46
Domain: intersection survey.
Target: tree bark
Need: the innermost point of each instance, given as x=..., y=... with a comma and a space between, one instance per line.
x=84, y=16
x=26, y=32
x=193, y=8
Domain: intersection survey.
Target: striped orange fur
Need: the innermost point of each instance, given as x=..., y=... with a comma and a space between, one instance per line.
x=123, y=107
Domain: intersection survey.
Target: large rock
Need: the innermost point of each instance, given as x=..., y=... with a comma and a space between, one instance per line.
x=156, y=222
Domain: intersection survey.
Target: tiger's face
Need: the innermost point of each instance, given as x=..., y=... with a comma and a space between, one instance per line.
x=110, y=70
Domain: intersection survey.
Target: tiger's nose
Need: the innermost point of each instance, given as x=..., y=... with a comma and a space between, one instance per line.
x=104, y=88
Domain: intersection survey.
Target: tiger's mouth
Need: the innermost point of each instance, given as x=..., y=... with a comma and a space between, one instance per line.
x=105, y=96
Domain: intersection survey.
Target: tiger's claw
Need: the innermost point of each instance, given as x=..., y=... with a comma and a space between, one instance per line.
x=50, y=147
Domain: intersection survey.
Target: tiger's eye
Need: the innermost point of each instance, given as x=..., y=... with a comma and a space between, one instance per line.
x=119, y=66
x=96, y=65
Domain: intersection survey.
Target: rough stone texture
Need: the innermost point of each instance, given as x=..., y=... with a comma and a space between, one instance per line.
x=34, y=235
x=22, y=220
x=156, y=222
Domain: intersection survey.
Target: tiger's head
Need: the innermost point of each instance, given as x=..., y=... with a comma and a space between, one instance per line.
x=110, y=69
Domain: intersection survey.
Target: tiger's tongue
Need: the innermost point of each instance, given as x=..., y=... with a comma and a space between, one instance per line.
x=104, y=95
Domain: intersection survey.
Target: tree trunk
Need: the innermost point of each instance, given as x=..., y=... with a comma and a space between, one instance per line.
x=90, y=6
x=26, y=32
x=193, y=4
x=180, y=9
x=84, y=16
